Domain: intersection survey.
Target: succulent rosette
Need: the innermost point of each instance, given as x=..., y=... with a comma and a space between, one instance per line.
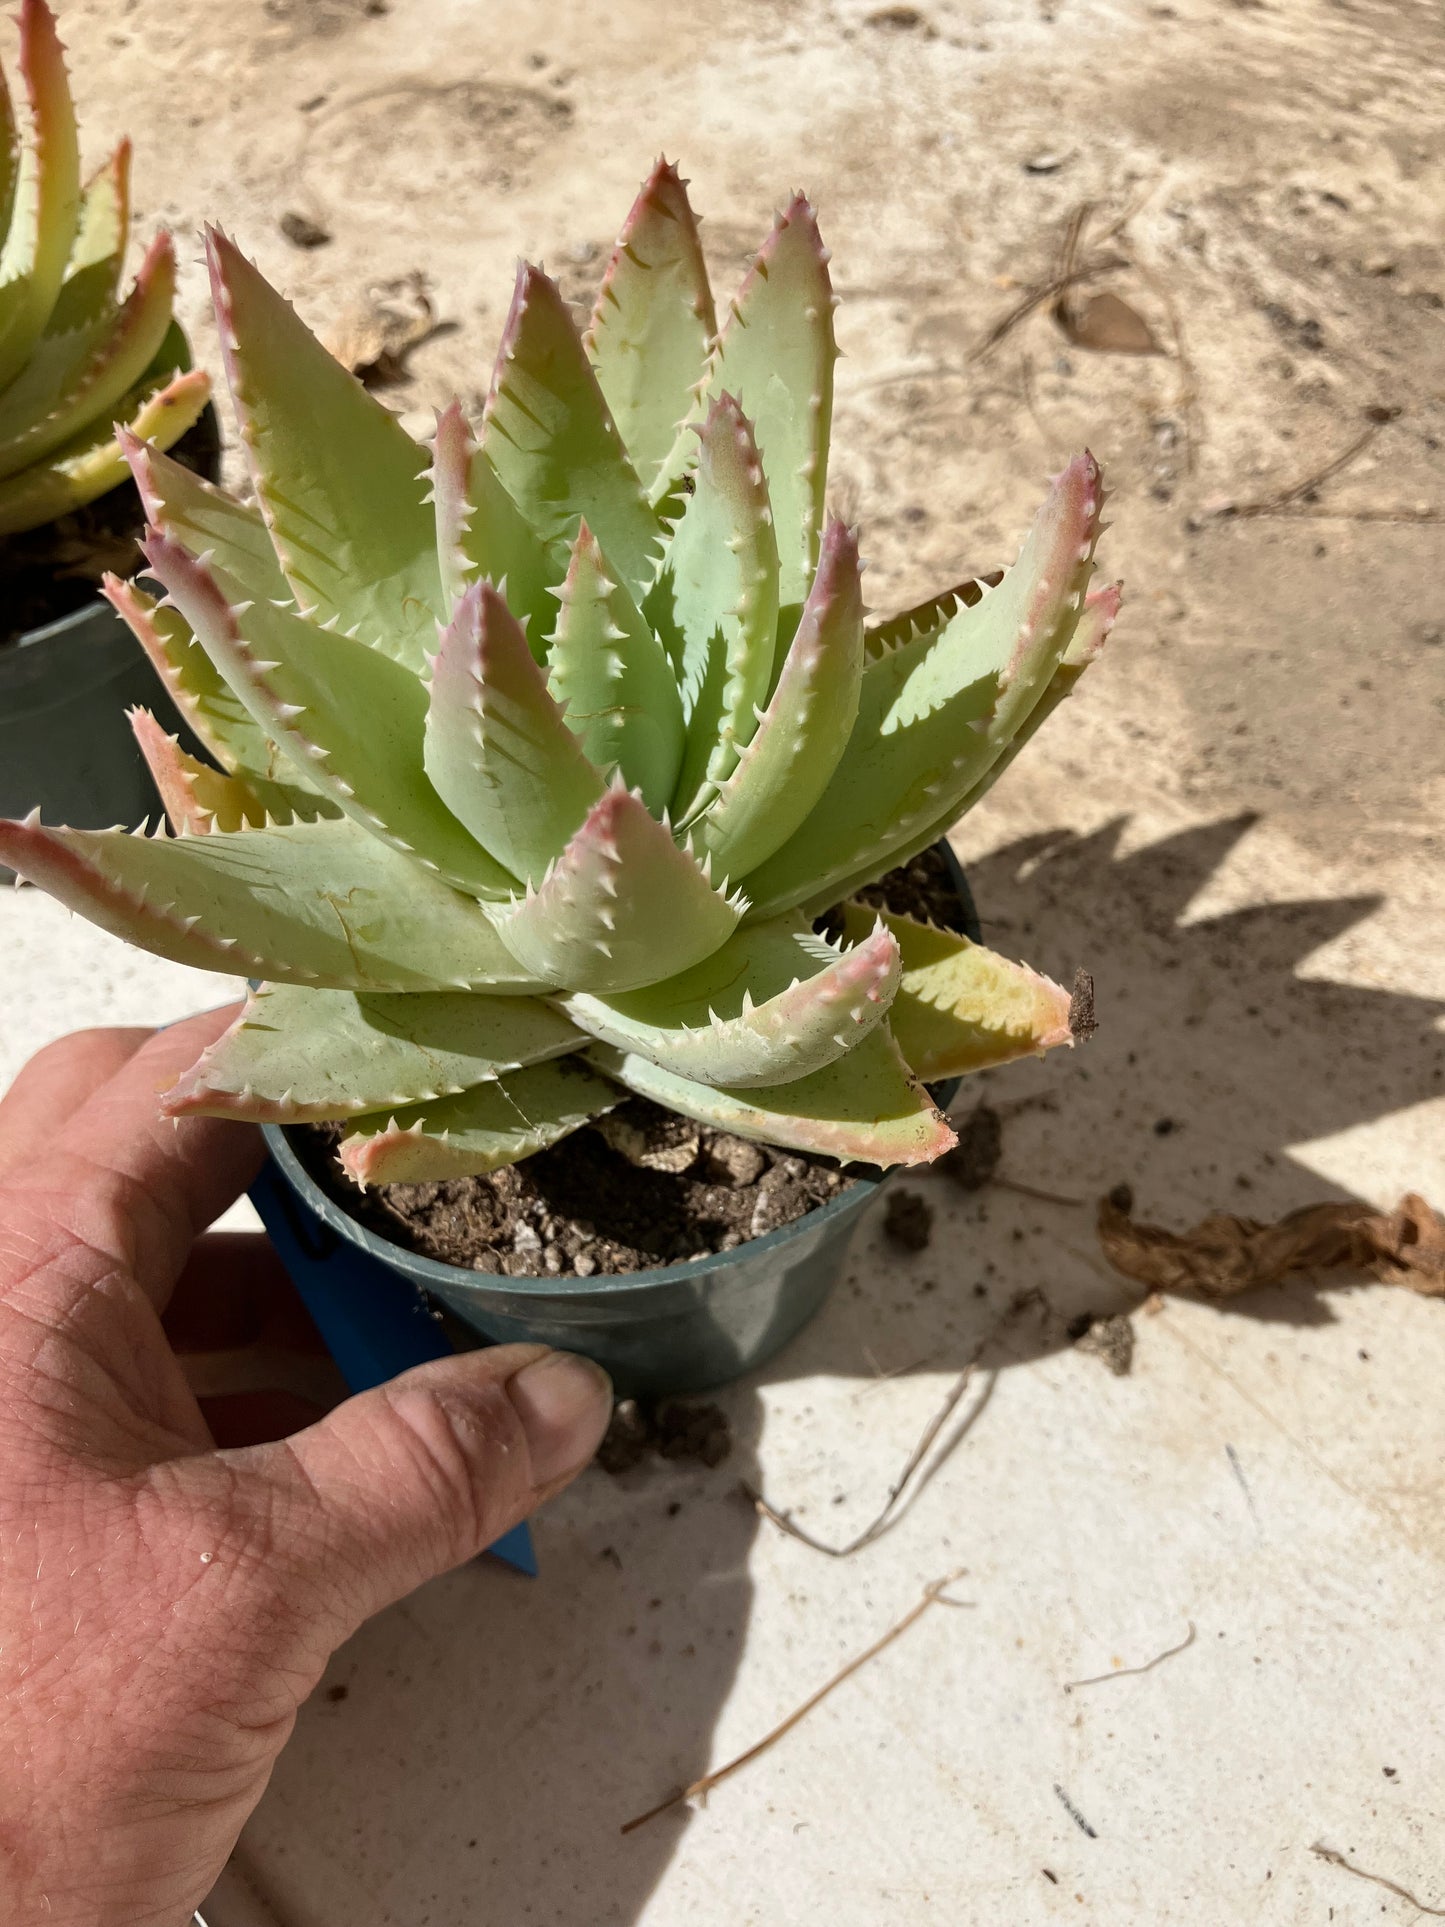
x=537, y=753
x=75, y=357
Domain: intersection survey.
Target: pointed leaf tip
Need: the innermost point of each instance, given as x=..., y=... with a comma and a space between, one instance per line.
x=498, y=751
x=621, y=907
x=552, y=438
x=338, y=477
x=653, y=322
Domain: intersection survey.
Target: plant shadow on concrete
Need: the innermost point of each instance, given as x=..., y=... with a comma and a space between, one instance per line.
x=594, y=1692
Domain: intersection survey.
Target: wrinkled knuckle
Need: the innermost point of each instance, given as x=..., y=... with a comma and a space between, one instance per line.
x=462, y=1449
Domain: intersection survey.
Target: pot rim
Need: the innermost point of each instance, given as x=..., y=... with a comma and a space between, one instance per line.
x=50, y=631
x=436, y=1273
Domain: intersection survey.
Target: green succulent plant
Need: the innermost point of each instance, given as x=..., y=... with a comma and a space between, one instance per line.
x=539, y=755
x=73, y=358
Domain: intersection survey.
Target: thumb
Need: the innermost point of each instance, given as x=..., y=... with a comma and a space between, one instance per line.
x=403, y=1482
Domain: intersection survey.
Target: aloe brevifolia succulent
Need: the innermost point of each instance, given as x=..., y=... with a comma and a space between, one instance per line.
x=73, y=358
x=538, y=755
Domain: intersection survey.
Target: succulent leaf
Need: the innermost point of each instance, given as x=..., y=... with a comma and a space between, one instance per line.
x=320, y=904
x=338, y=477
x=193, y=683
x=1096, y=619
x=866, y=1107
x=786, y=767
x=936, y=714
x=9, y=158
x=481, y=532
x=481, y=1129
x=776, y=354
x=926, y=618
x=69, y=380
x=305, y=1056
x=498, y=752
x=716, y=603
x=349, y=718
x=613, y=679
x=206, y=520
x=552, y=442
x=813, y=1005
x=1101, y=607
x=46, y=198
x=93, y=462
x=961, y=1007
x=198, y=798
x=622, y=906
x=92, y=273
x=653, y=323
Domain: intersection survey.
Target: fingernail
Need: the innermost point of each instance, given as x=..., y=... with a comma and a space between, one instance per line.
x=564, y=1403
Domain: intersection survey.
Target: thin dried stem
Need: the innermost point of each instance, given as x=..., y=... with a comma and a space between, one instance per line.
x=1376, y=1879
x=918, y=1470
x=933, y=1595
x=1035, y=1191
x=1285, y=497
x=1187, y=397
x=1131, y=1672
x=1036, y=297
x=785, y=1523
x=1410, y=517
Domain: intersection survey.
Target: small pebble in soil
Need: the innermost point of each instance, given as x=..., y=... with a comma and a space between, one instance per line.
x=735, y=1161
x=908, y=1221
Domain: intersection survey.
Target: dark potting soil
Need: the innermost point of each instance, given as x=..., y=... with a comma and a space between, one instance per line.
x=921, y=888
x=48, y=572
x=639, y=1188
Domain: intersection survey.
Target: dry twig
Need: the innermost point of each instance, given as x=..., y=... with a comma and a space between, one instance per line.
x=916, y=1473
x=1035, y=297
x=1127, y=1672
x=1297, y=491
x=1418, y=517
x=887, y=1517
x=1377, y=1879
x=1035, y=1191
x=933, y=1595
x=1186, y=399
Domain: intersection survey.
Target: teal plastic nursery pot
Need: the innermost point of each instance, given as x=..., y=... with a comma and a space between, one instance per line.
x=679, y=1328
x=65, y=743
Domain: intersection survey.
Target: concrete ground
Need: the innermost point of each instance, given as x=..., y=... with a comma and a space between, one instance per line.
x=1237, y=825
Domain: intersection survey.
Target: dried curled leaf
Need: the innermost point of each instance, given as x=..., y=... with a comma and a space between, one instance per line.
x=1224, y=1255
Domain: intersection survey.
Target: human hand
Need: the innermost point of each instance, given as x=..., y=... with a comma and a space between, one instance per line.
x=165, y=1605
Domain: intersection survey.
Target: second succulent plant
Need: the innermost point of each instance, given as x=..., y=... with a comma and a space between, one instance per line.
x=74, y=357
